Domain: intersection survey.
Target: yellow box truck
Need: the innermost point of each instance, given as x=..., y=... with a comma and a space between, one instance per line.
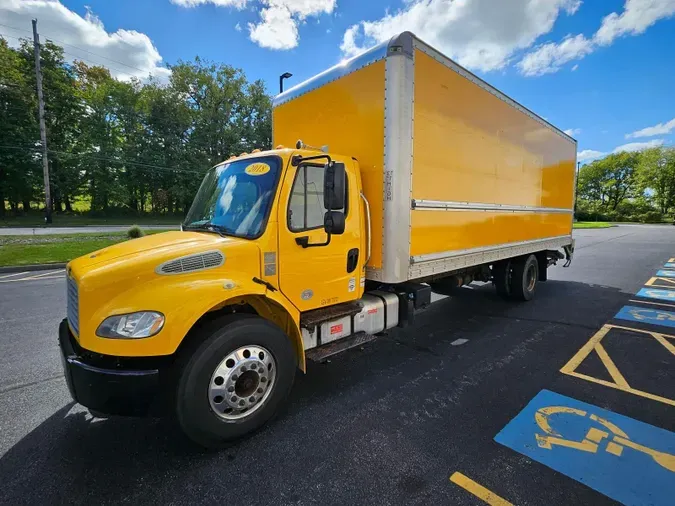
x=423, y=177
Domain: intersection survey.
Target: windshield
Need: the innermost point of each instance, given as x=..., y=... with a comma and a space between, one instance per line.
x=235, y=197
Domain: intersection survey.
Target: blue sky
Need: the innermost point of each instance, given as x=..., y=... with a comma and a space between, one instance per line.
x=603, y=70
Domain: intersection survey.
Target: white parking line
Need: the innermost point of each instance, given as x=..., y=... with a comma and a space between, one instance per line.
x=13, y=274
x=45, y=274
x=38, y=277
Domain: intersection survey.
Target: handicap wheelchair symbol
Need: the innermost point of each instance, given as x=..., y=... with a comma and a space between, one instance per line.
x=617, y=439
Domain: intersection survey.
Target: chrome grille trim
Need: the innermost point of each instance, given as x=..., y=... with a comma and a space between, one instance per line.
x=192, y=263
x=73, y=305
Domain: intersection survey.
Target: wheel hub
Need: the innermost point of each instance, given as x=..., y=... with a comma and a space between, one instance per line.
x=242, y=382
x=531, y=277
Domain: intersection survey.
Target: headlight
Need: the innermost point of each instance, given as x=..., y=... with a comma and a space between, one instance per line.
x=131, y=326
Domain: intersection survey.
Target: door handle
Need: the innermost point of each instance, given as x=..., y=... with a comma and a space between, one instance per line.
x=352, y=259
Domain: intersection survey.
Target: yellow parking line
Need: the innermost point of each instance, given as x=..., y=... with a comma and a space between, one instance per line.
x=619, y=382
x=611, y=367
x=478, y=490
x=13, y=274
x=662, y=282
x=654, y=303
x=664, y=342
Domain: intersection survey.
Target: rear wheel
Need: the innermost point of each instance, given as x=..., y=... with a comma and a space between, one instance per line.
x=235, y=380
x=524, y=278
x=501, y=278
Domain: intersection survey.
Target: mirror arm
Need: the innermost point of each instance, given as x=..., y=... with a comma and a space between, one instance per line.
x=298, y=159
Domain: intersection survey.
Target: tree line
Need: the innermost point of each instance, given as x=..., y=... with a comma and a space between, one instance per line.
x=124, y=146
x=628, y=186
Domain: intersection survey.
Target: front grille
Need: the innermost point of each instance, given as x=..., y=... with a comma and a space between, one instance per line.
x=191, y=263
x=73, y=307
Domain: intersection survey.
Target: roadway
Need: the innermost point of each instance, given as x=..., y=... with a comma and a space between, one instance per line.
x=392, y=422
x=86, y=229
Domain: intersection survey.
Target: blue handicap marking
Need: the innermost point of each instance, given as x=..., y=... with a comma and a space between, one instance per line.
x=640, y=314
x=666, y=274
x=669, y=264
x=656, y=293
x=630, y=461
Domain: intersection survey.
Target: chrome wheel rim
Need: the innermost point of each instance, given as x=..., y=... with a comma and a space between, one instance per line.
x=531, y=277
x=242, y=382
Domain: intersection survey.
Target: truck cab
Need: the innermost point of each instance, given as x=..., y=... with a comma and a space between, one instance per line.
x=270, y=236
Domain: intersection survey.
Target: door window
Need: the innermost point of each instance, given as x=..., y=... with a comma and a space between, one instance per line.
x=305, y=207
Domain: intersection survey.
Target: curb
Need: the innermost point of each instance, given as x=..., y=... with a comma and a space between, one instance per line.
x=33, y=267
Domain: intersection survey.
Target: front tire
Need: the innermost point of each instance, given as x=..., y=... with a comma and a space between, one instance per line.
x=234, y=381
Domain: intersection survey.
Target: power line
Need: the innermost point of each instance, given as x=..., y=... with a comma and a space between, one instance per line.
x=79, y=49
x=95, y=54
x=103, y=158
x=95, y=64
x=15, y=28
x=11, y=36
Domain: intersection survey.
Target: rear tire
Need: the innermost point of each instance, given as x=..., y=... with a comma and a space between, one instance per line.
x=524, y=278
x=226, y=369
x=501, y=278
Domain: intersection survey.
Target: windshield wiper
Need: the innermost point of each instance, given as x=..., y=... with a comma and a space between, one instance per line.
x=205, y=227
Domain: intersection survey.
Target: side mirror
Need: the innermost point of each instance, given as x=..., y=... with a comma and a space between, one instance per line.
x=334, y=222
x=334, y=186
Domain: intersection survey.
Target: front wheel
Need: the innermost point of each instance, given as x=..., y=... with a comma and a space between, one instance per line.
x=235, y=380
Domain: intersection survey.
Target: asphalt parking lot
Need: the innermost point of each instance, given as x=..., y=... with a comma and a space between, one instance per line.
x=581, y=403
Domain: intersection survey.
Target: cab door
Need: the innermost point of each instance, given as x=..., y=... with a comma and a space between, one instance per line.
x=318, y=276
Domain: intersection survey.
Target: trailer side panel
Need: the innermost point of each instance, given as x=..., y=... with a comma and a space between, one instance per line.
x=486, y=173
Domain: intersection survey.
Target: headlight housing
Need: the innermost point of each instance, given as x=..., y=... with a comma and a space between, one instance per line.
x=132, y=325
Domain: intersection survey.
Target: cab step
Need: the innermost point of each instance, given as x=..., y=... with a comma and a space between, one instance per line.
x=311, y=319
x=328, y=350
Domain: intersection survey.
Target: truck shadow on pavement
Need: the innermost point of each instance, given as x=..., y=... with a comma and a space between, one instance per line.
x=361, y=401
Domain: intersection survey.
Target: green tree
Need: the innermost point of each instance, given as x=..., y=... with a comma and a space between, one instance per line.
x=19, y=166
x=609, y=180
x=656, y=176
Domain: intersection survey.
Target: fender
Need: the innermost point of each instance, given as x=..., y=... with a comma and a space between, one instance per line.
x=184, y=300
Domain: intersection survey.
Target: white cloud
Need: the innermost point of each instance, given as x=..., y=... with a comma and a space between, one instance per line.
x=481, y=34
x=127, y=53
x=572, y=131
x=660, y=129
x=237, y=27
x=575, y=67
x=279, y=19
x=638, y=146
x=237, y=4
x=549, y=57
x=636, y=17
x=277, y=30
x=588, y=155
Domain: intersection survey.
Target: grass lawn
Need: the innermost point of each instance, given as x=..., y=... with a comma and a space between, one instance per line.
x=593, y=224
x=77, y=220
x=41, y=249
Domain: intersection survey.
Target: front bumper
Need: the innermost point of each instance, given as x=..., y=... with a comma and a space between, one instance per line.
x=106, y=384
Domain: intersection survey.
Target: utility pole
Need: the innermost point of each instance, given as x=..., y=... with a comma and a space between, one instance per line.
x=576, y=190
x=43, y=130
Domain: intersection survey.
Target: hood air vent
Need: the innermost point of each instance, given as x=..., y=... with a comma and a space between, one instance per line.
x=192, y=263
